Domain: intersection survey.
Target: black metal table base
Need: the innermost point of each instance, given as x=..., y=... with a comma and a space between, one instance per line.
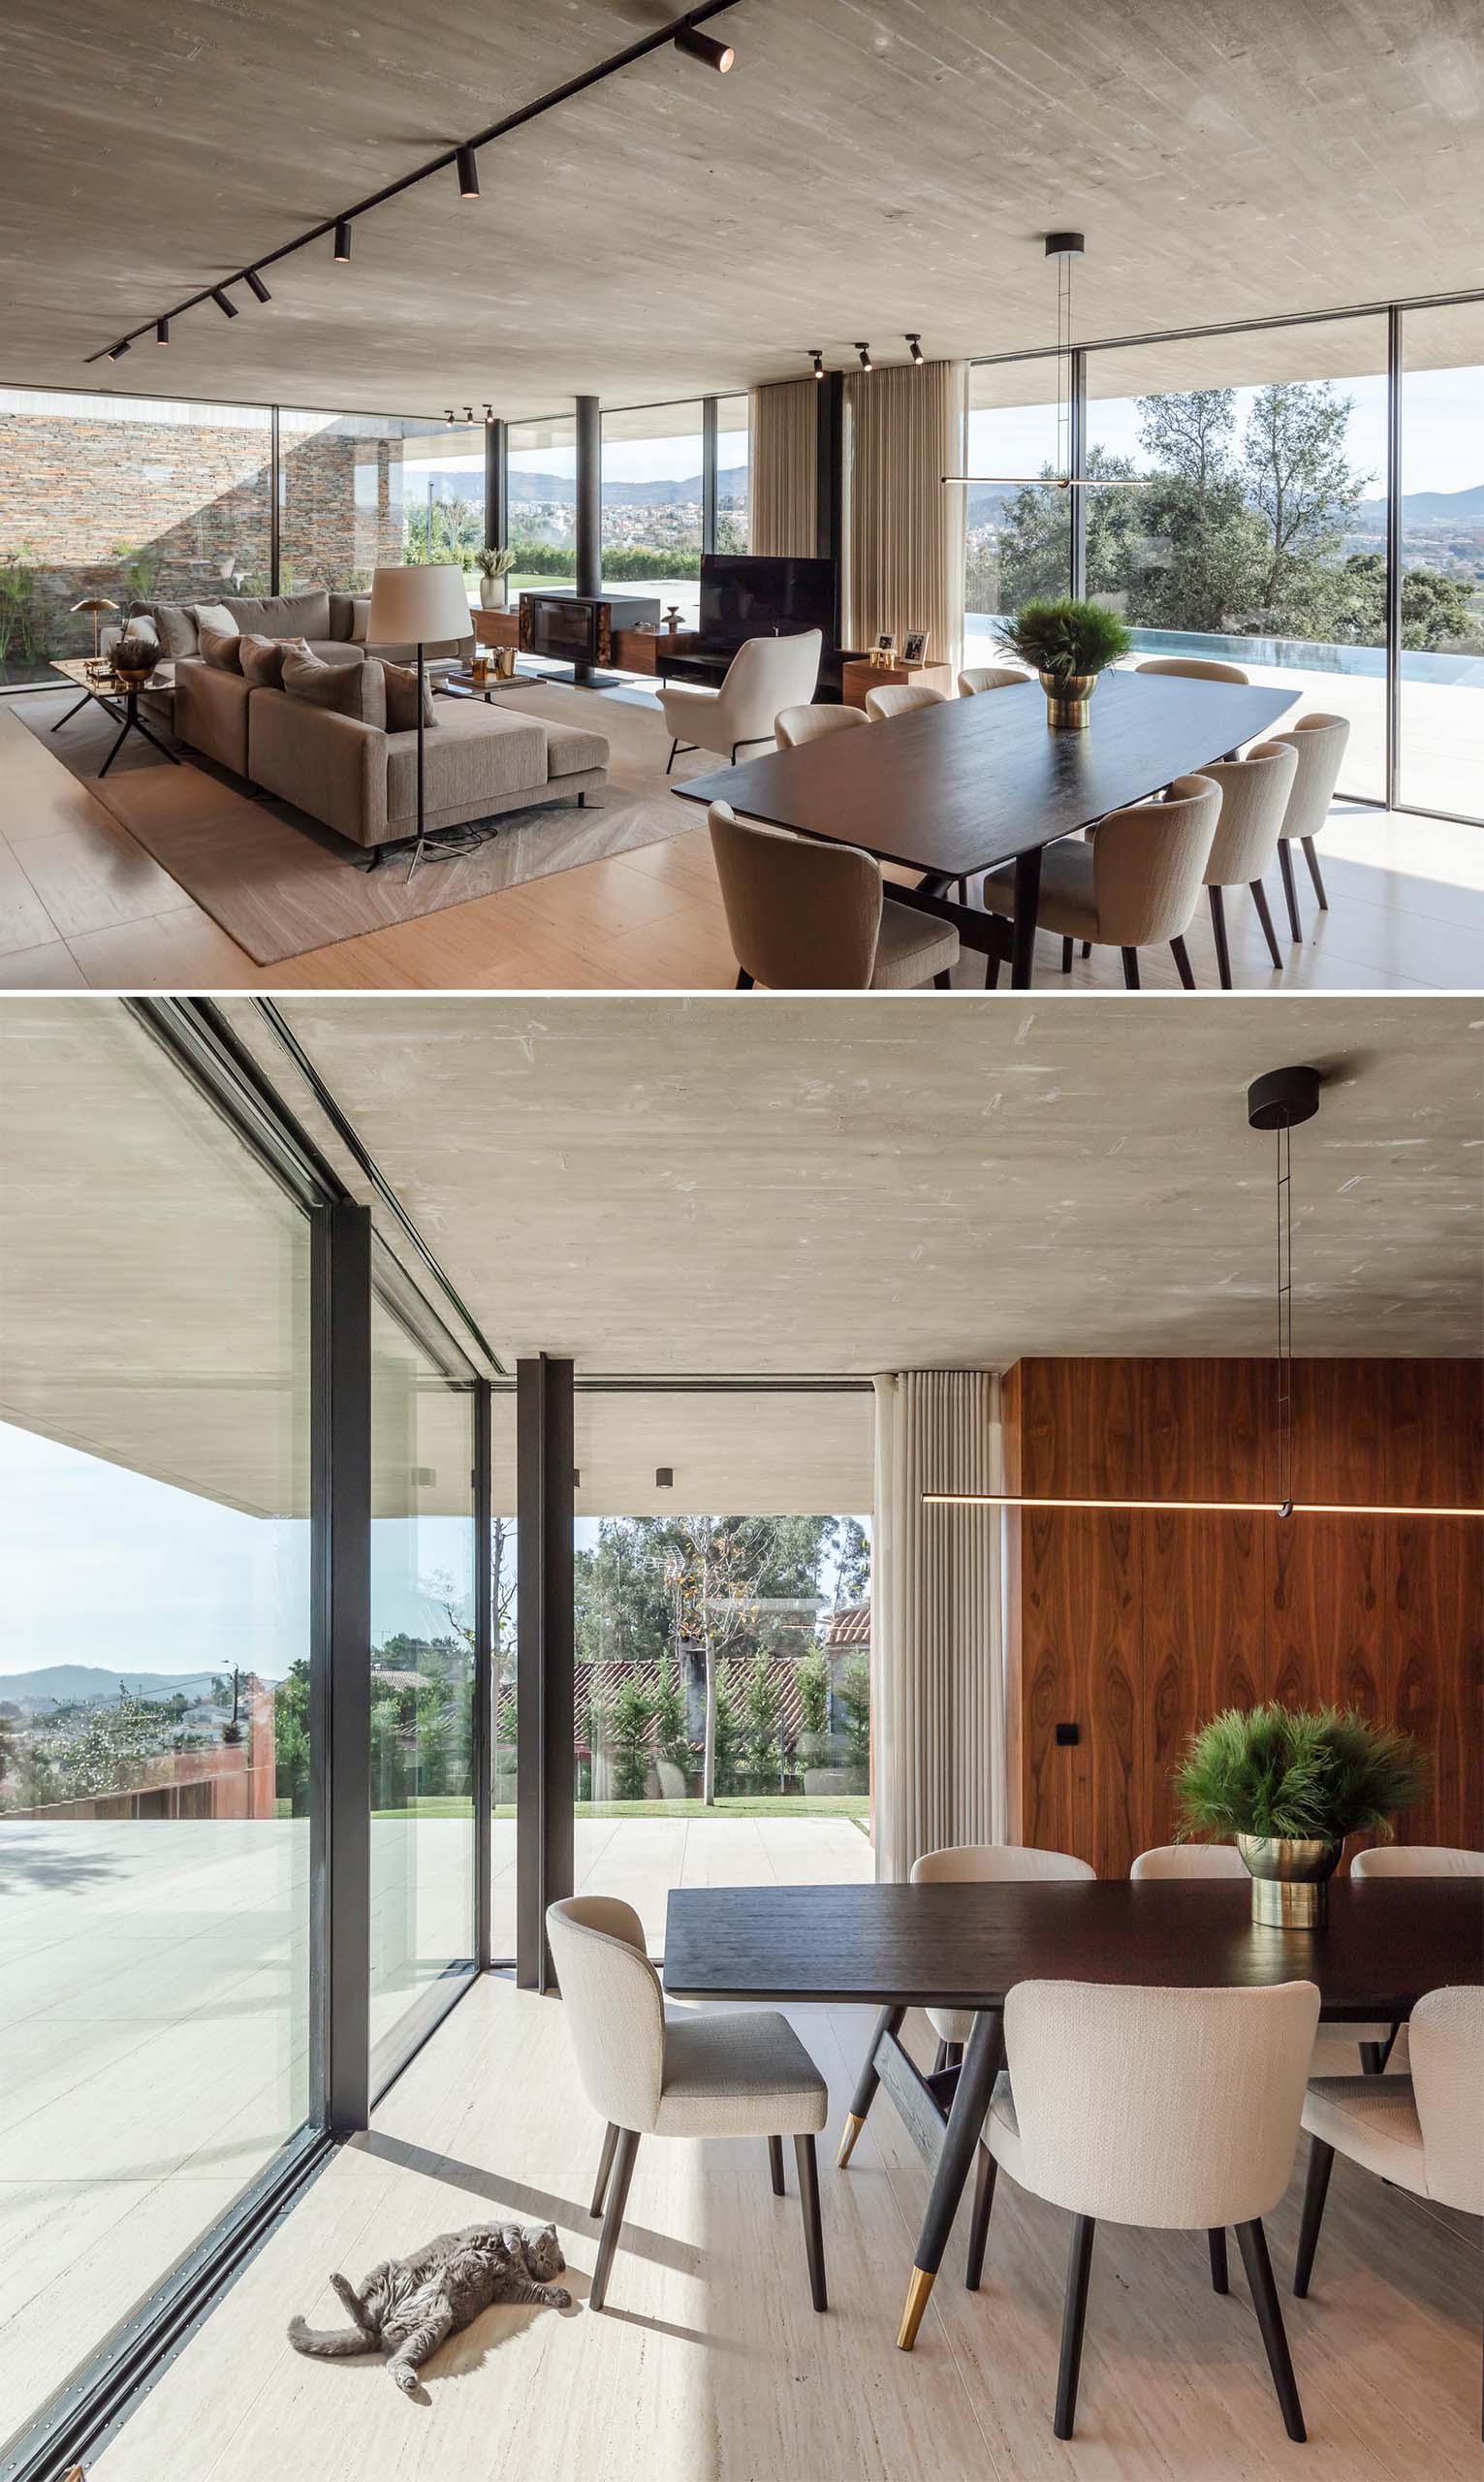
x=128, y=720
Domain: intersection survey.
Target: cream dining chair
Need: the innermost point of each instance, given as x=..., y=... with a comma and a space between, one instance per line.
x=1135, y=885
x=900, y=698
x=796, y=724
x=1189, y=1861
x=763, y=677
x=740, y=2073
x=1319, y=742
x=1417, y=1862
x=1254, y=796
x=1197, y=668
x=990, y=676
x=1172, y=2108
x=809, y=916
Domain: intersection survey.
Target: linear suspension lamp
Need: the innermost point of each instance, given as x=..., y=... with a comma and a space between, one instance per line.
x=1280, y=1101
x=681, y=31
x=1063, y=247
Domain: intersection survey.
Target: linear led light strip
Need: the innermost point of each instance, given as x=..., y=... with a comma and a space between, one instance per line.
x=1063, y=247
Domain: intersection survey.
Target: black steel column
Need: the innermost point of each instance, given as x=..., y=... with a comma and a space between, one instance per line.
x=708, y=473
x=830, y=481
x=484, y=1673
x=340, y=1668
x=496, y=487
x=1079, y=461
x=588, y=520
x=1394, y=349
x=274, y=517
x=544, y=1643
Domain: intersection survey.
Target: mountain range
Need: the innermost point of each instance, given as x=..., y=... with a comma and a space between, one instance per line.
x=59, y=1684
x=666, y=491
x=1431, y=508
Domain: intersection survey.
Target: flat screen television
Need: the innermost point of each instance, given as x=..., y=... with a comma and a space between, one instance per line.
x=743, y=595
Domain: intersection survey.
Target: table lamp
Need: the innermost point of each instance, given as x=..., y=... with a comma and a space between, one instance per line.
x=418, y=606
x=95, y=604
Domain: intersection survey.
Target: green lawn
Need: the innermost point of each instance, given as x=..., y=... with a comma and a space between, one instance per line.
x=743, y=1806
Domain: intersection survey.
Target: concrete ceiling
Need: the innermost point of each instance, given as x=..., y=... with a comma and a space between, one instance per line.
x=871, y=166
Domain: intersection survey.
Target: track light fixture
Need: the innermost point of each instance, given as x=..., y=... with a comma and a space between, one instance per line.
x=447, y=416
x=468, y=172
x=704, y=48
x=864, y=353
x=256, y=286
x=342, y=238
x=915, y=349
x=116, y=352
x=488, y=411
x=228, y=309
x=162, y=331
x=819, y=362
x=468, y=413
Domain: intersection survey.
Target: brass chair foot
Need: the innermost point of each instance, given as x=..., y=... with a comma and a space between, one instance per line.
x=918, y=2290
x=852, y=2130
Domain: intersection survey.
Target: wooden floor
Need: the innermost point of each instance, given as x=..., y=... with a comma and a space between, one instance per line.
x=81, y=905
x=709, y=2366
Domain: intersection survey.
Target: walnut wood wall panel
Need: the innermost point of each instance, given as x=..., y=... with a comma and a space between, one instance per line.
x=1136, y=1628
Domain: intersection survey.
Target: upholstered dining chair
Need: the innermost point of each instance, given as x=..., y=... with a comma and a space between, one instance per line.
x=1172, y=2108
x=1188, y=1861
x=740, y=2073
x=763, y=677
x=1136, y=885
x=796, y=724
x=1254, y=798
x=1197, y=668
x=990, y=676
x=1319, y=742
x=1417, y=1862
x=806, y=916
x=899, y=698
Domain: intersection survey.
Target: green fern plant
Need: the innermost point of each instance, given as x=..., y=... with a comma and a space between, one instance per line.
x=1064, y=636
x=1274, y=1772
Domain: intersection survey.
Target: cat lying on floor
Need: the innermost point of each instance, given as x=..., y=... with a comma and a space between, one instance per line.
x=407, y=2306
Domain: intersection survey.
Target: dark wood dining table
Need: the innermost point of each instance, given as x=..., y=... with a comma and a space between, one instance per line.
x=1386, y=1944
x=957, y=788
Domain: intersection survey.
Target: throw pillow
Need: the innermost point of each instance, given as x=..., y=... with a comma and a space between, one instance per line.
x=349, y=688
x=263, y=658
x=402, y=679
x=176, y=627
x=361, y=613
x=221, y=647
x=213, y=615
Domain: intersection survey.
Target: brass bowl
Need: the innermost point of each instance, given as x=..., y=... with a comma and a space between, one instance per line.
x=1291, y=1878
x=1066, y=699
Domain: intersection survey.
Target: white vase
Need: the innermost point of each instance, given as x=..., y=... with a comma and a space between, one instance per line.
x=492, y=594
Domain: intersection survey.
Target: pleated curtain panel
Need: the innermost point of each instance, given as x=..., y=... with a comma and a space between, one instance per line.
x=904, y=430
x=782, y=447
x=938, y=1648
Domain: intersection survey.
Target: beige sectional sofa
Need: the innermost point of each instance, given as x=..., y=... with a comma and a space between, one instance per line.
x=334, y=625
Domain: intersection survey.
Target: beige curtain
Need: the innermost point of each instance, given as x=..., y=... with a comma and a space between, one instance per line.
x=782, y=423
x=904, y=430
x=937, y=1643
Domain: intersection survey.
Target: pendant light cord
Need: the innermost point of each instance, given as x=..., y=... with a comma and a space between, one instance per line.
x=1284, y=1306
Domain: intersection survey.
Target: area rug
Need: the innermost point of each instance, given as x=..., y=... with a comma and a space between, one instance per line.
x=279, y=883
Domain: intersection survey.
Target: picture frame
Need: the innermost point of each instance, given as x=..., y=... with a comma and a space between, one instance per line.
x=914, y=647
x=886, y=642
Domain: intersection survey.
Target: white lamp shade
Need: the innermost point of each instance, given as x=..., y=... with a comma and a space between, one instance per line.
x=416, y=606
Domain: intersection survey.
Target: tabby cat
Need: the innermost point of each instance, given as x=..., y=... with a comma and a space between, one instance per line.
x=408, y=2306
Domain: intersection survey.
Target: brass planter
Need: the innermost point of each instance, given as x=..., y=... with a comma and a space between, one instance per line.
x=1291, y=1878
x=1066, y=699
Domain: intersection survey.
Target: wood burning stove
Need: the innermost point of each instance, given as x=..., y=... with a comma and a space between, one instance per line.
x=579, y=629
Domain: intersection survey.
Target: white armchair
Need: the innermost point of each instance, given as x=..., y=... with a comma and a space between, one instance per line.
x=763, y=677
x=1172, y=2108
x=738, y=2074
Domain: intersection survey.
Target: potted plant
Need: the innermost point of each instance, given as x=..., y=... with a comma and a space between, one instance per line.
x=1068, y=644
x=494, y=568
x=1290, y=1787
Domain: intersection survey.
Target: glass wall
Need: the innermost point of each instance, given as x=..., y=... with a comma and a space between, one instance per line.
x=1442, y=724
x=422, y=1677
x=733, y=497
x=131, y=498
x=1018, y=534
x=541, y=501
x=363, y=491
x=653, y=502
x=1261, y=534
x=154, y=1709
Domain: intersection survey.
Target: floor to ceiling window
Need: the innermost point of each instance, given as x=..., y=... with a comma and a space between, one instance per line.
x=154, y=1710
x=1442, y=700
x=134, y=499
x=361, y=492
x=734, y=499
x=423, y=1543
x=652, y=514
x=1259, y=532
x=1018, y=532
x=541, y=500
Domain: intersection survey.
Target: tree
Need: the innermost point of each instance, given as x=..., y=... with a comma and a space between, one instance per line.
x=670, y=1734
x=853, y=1698
x=630, y=1722
x=851, y=1546
x=726, y=1733
x=760, y=1720
x=107, y=1754
x=711, y=1569
x=1300, y=485
x=811, y=1678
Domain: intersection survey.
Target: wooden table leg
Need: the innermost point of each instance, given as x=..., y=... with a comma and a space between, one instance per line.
x=887, y=2023
x=983, y=2061
x=1028, y=899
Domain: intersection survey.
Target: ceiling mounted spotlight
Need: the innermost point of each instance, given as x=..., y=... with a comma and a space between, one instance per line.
x=162, y=331
x=864, y=353
x=448, y=415
x=342, y=238
x=915, y=349
x=468, y=172
x=116, y=351
x=699, y=46
x=819, y=362
x=488, y=411
x=468, y=413
x=228, y=309
x=256, y=286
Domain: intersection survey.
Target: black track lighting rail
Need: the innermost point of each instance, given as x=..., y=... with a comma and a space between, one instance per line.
x=458, y=158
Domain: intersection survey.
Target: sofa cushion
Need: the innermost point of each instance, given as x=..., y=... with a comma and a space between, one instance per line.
x=175, y=626
x=571, y=748
x=348, y=615
x=262, y=657
x=350, y=688
x=284, y=616
x=221, y=647
x=213, y=615
x=478, y=751
x=401, y=686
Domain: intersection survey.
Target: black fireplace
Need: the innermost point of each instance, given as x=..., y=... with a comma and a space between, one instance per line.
x=579, y=629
